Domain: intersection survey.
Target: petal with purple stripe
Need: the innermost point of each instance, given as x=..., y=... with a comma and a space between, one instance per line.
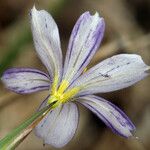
x=114, y=73
x=25, y=80
x=84, y=41
x=110, y=114
x=47, y=41
x=58, y=127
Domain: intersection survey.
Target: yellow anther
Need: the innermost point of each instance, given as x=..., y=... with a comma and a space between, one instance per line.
x=69, y=94
x=63, y=86
x=61, y=94
x=54, y=85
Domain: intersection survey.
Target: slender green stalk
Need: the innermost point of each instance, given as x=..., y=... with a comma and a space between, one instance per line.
x=16, y=136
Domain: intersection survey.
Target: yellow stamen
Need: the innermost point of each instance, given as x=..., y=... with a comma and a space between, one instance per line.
x=63, y=86
x=60, y=95
x=69, y=94
x=54, y=85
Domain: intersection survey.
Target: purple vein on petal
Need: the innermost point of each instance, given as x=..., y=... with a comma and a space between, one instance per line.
x=100, y=29
x=75, y=32
x=106, y=121
x=29, y=70
x=84, y=41
x=34, y=89
x=25, y=80
x=110, y=114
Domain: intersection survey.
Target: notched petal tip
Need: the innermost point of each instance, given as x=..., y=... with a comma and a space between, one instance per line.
x=96, y=15
x=85, y=39
x=100, y=19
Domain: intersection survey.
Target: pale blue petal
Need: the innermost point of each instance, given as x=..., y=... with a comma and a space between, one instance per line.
x=84, y=42
x=58, y=127
x=110, y=114
x=25, y=80
x=112, y=74
x=47, y=41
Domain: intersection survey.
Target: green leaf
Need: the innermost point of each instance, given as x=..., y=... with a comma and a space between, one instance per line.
x=17, y=135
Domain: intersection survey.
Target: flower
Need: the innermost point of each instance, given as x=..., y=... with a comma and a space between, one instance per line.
x=69, y=84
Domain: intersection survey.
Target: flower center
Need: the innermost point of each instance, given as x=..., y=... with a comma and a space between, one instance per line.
x=60, y=95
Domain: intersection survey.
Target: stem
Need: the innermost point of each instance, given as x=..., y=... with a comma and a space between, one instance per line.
x=15, y=137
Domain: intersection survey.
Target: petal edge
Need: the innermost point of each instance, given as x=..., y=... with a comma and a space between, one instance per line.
x=110, y=114
x=84, y=42
x=59, y=126
x=25, y=80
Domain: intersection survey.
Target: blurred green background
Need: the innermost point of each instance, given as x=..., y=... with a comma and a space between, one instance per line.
x=127, y=31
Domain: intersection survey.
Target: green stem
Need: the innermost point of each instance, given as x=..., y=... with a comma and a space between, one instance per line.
x=16, y=136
